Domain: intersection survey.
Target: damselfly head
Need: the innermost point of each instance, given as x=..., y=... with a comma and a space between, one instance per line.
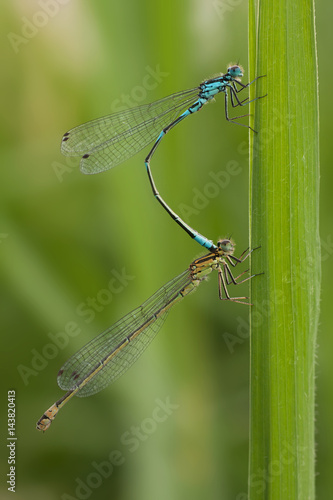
x=227, y=246
x=235, y=71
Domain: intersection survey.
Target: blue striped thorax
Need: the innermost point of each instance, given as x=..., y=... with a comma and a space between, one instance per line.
x=209, y=88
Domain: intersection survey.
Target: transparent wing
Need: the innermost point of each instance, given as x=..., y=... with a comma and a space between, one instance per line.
x=120, y=345
x=108, y=141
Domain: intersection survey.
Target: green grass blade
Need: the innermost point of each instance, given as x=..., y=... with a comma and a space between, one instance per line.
x=284, y=200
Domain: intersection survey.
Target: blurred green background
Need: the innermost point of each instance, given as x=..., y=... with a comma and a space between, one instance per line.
x=64, y=236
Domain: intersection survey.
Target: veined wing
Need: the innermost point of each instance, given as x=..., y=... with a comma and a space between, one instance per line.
x=120, y=345
x=110, y=140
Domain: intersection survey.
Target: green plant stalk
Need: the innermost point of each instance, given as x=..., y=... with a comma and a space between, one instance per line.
x=284, y=201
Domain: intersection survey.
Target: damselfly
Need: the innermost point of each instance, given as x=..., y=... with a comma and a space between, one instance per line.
x=110, y=354
x=108, y=141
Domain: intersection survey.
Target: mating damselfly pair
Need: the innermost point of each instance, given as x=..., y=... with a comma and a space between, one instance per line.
x=108, y=141
x=103, y=144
